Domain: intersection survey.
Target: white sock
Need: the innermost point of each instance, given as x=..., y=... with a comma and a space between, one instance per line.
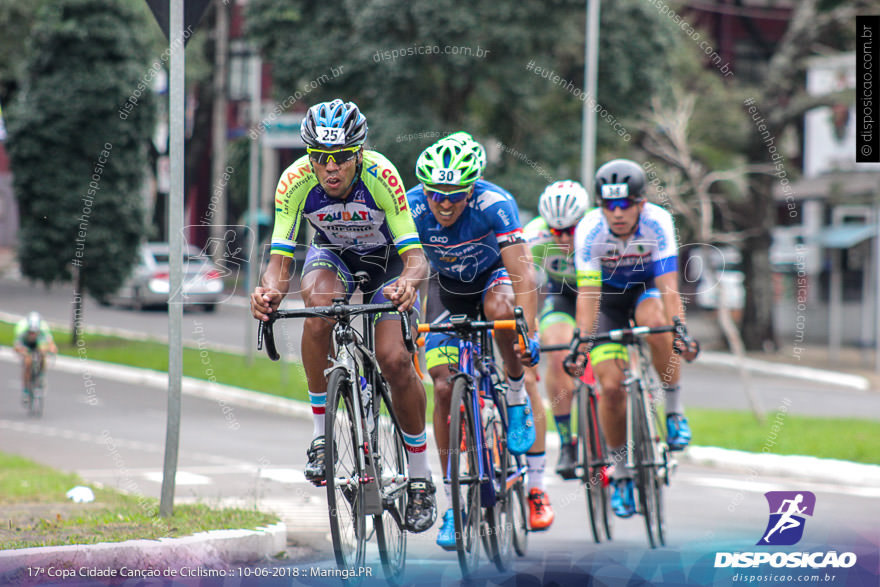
x=674, y=404
x=536, y=464
x=618, y=459
x=318, y=402
x=416, y=449
x=516, y=393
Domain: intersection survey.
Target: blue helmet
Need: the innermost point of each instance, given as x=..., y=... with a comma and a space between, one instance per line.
x=334, y=125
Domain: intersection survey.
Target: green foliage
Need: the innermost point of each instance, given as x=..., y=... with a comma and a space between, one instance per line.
x=87, y=58
x=414, y=99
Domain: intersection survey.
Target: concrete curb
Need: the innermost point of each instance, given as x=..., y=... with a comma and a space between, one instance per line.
x=169, y=557
x=802, y=468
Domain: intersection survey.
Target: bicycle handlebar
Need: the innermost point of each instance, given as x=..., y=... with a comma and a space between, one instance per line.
x=266, y=330
x=461, y=324
x=622, y=336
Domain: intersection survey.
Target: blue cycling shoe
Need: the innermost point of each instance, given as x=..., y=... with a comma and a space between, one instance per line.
x=520, y=428
x=446, y=537
x=623, y=502
x=678, y=433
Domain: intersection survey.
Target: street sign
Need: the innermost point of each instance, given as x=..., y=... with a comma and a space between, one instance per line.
x=193, y=10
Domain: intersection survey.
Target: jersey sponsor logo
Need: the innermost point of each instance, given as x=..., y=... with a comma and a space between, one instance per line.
x=373, y=170
x=343, y=216
x=504, y=217
x=438, y=239
x=396, y=186
x=287, y=181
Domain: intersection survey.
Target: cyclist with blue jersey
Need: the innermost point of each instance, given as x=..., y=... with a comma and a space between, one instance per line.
x=550, y=237
x=32, y=339
x=355, y=200
x=626, y=256
x=472, y=236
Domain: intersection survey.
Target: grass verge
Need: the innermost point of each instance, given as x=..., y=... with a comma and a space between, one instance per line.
x=838, y=438
x=211, y=365
x=36, y=512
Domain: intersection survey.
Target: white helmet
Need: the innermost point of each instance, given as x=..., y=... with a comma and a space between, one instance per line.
x=34, y=321
x=563, y=204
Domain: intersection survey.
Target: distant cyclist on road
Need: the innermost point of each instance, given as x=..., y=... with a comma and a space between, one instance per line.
x=551, y=239
x=627, y=266
x=32, y=340
x=355, y=200
x=472, y=235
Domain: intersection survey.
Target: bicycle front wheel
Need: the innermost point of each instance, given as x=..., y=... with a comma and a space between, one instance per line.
x=593, y=487
x=390, y=532
x=499, y=519
x=37, y=393
x=464, y=476
x=343, y=473
x=645, y=469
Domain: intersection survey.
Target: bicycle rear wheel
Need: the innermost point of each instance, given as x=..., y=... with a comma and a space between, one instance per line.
x=343, y=473
x=643, y=458
x=593, y=487
x=519, y=512
x=390, y=532
x=464, y=475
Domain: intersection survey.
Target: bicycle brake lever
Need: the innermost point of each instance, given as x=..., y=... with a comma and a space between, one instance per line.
x=406, y=331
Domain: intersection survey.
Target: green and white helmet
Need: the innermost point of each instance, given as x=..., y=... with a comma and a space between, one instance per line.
x=457, y=159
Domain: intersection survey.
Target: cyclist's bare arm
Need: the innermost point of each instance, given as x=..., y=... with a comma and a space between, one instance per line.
x=273, y=287
x=517, y=259
x=672, y=306
x=405, y=291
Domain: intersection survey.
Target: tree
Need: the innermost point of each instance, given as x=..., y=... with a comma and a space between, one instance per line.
x=77, y=157
x=409, y=70
x=781, y=98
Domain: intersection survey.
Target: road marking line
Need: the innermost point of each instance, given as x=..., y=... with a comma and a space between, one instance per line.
x=181, y=478
x=764, y=486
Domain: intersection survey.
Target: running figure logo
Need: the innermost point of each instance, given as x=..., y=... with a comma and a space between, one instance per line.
x=786, y=524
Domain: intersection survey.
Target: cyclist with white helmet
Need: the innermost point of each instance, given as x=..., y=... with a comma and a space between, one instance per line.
x=355, y=200
x=627, y=268
x=551, y=239
x=472, y=236
x=32, y=340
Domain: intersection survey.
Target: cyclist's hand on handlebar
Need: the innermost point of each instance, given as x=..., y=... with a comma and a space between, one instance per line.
x=688, y=348
x=403, y=292
x=576, y=366
x=531, y=354
x=264, y=301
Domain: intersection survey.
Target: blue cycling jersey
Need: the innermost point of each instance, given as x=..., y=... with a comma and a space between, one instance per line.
x=472, y=245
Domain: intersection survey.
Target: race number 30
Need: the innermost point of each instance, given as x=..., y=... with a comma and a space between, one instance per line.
x=452, y=176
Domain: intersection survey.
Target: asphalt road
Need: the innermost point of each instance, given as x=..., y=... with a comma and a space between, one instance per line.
x=255, y=458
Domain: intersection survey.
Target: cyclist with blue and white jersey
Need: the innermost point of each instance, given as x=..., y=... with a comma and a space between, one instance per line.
x=355, y=200
x=626, y=257
x=472, y=236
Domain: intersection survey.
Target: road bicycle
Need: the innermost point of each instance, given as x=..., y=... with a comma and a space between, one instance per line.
x=366, y=471
x=649, y=455
x=487, y=481
x=593, y=458
x=35, y=395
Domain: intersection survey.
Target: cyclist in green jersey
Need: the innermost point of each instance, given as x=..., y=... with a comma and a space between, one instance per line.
x=551, y=239
x=32, y=334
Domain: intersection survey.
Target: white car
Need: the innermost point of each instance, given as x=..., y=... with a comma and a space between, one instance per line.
x=149, y=282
